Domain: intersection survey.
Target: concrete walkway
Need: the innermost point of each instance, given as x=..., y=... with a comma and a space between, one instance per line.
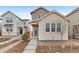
x=31, y=47
x=10, y=46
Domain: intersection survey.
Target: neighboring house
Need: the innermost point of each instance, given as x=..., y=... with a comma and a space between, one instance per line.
x=49, y=25
x=0, y=26
x=74, y=23
x=12, y=25
x=26, y=24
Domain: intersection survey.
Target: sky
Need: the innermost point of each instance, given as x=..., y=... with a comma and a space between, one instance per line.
x=24, y=11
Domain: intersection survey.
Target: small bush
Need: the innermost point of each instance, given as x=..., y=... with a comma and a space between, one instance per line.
x=26, y=36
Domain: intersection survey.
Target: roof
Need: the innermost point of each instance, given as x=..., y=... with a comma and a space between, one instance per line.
x=39, y=8
x=54, y=11
x=75, y=10
x=25, y=19
x=11, y=13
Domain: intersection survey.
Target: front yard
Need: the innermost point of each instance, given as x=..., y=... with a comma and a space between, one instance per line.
x=53, y=47
x=18, y=48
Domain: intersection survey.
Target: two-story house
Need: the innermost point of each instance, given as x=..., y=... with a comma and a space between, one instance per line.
x=12, y=25
x=49, y=25
x=27, y=26
x=73, y=16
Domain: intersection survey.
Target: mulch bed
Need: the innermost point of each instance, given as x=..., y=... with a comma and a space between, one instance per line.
x=18, y=48
x=67, y=49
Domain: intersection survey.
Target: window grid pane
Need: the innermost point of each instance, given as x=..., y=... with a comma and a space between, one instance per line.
x=58, y=27
x=53, y=27
x=47, y=27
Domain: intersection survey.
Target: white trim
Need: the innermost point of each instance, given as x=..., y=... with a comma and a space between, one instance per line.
x=53, y=11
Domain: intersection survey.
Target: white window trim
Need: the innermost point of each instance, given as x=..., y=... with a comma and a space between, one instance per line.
x=49, y=27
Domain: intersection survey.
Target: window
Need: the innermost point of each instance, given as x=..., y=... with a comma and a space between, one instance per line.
x=11, y=30
x=7, y=30
x=24, y=23
x=11, y=21
x=47, y=27
x=40, y=15
x=53, y=27
x=7, y=21
x=58, y=27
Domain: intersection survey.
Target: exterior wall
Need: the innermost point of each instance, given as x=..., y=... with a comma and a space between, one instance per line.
x=35, y=14
x=74, y=20
x=14, y=33
x=52, y=18
x=19, y=25
x=1, y=27
x=28, y=25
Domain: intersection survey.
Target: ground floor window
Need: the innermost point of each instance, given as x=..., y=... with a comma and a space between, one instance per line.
x=53, y=27
x=9, y=30
x=47, y=27
x=58, y=27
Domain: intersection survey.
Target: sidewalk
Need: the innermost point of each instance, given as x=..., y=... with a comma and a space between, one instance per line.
x=31, y=47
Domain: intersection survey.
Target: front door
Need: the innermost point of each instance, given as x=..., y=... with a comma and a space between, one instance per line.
x=20, y=31
x=35, y=32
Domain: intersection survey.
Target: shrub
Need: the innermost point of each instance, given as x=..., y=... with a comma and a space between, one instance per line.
x=26, y=36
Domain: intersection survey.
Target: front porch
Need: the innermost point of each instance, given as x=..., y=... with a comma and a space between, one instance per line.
x=35, y=30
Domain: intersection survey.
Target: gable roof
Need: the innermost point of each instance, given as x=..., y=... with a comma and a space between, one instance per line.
x=11, y=13
x=39, y=8
x=54, y=11
x=25, y=20
x=75, y=10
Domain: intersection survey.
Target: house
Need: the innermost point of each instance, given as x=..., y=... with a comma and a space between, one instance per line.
x=27, y=26
x=0, y=26
x=12, y=25
x=49, y=25
x=73, y=16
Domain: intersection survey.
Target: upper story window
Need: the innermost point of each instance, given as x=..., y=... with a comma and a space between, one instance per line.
x=40, y=15
x=9, y=20
x=47, y=27
x=52, y=27
x=58, y=27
